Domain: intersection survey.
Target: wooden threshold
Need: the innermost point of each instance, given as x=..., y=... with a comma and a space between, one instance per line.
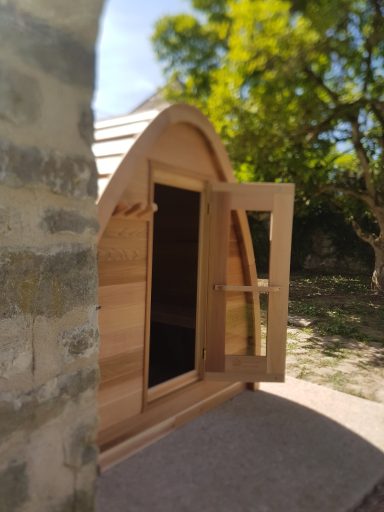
x=163, y=417
x=171, y=385
x=241, y=288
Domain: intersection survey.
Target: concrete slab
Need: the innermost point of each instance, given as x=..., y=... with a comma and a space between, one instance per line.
x=363, y=417
x=294, y=447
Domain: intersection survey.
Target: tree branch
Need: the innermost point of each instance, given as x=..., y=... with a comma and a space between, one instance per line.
x=378, y=12
x=336, y=114
x=378, y=110
x=342, y=111
x=367, y=237
x=311, y=133
x=368, y=65
x=376, y=209
x=362, y=157
x=360, y=196
x=319, y=81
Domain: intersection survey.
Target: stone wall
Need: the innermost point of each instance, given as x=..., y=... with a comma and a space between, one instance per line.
x=48, y=279
x=325, y=256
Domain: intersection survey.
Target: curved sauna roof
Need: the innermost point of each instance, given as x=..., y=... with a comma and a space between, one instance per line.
x=122, y=145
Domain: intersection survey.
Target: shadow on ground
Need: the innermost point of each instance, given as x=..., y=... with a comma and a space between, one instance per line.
x=256, y=453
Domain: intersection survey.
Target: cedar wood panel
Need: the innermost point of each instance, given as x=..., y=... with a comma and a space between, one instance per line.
x=123, y=250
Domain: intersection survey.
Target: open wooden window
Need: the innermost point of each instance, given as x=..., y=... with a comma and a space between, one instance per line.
x=245, y=359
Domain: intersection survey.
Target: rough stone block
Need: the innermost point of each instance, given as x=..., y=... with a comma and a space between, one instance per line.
x=86, y=476
x=50, y=49
x=73, y=385
x=35, y=223
x=86, y=125
x=80, y=501
x=15, y=347
x=80, y=449
x=30, y=411
x=59, y=460
x=79, y=341
x=4, y=220
x=20, y=96
x=35, y=351
x=62, y=174
x=56, y=221
x=51, y=486
x=63, y=121
x=13, y=486
x=78, y=17
x=47, y=284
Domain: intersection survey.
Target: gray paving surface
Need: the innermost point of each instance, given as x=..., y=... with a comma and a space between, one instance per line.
x=285, y=448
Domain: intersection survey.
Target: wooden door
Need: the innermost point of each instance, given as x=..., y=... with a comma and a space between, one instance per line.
x=248, y=363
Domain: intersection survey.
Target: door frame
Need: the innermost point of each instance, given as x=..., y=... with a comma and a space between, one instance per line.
x=165, y=174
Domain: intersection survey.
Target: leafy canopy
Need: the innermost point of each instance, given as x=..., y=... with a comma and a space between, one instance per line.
x=296, y=90
x=280, y=80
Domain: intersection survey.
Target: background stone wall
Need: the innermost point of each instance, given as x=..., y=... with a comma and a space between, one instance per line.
x=48, y=277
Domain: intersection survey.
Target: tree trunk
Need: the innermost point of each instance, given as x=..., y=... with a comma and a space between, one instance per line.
x=378, y=273
x=377, y=244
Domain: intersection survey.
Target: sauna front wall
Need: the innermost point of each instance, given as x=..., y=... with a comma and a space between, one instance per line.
x=124, y=268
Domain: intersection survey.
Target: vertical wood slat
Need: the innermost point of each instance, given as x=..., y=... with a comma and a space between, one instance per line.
x=148, y=295
x=219, y=231
x=201, y=303
x=279, y=269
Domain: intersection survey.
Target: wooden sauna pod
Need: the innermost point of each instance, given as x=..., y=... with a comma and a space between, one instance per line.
x=178, y=291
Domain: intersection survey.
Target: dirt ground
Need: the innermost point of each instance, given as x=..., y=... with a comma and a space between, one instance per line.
x=336, y=334
x=336, y=339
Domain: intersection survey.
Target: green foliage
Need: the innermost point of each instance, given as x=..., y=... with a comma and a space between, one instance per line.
x=323, y=216
x=295, y=88
x=319, y=216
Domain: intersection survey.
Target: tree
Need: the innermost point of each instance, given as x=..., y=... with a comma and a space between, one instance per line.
x=295, y=89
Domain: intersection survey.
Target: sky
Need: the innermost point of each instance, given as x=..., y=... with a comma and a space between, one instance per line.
x=126, y=69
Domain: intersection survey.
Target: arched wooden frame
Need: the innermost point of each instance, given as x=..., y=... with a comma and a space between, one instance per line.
x=139, y=157
x=139, y=153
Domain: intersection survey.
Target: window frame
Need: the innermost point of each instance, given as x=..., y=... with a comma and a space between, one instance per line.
x=223, y=198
